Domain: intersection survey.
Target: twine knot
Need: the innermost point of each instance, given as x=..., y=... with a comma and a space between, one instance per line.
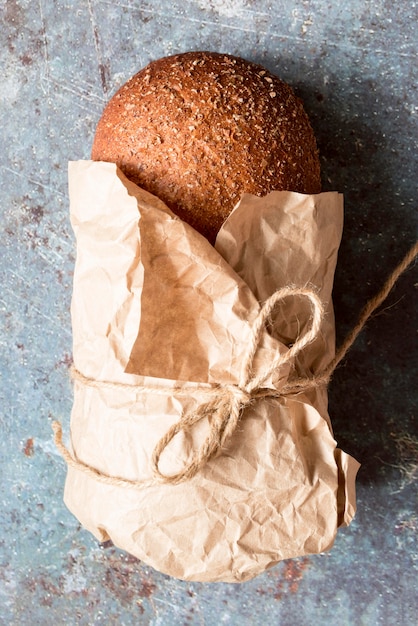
x=241, y=396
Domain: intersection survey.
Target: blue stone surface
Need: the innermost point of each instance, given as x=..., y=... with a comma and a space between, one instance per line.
x=355, y=67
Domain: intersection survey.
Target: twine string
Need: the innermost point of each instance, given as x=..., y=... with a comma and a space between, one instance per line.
x=226, y=403
x=324, y=377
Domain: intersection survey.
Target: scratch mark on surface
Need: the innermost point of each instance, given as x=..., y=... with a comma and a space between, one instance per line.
x=78, y=103
x=257, y=31
x=45, y=49
x=82, y=100
x=51, y=253
x=253, y=13
x=33, y=181
x=20, y=279
x=170, y=604
x=103, y=69
x=81, y=93
x=54, y=322
x=35, y=311
x=87, y=86
x=12, y=291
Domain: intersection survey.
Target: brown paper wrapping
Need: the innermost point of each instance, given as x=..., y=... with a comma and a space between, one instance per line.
x=153, y=301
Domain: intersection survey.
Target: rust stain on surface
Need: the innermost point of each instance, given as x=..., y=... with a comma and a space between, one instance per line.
x=29, y=449
x=66, y=361
x=286, y=579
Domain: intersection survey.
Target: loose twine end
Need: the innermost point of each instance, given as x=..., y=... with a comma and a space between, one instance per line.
x=226, y=403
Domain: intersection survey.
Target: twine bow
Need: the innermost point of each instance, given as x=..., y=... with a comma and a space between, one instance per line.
x=225, y=405
x=227, y=402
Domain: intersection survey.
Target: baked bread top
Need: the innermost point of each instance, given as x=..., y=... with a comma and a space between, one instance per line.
x=199, y=129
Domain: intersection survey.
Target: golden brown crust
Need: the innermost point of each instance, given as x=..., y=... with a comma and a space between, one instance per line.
x=199, y=129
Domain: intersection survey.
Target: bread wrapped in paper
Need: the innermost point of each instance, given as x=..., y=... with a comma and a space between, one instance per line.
x=156, y=307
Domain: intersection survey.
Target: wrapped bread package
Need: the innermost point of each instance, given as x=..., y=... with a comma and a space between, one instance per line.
x=171, y=337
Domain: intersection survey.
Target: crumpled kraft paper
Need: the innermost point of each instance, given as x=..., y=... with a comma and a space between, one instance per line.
x=154, y=301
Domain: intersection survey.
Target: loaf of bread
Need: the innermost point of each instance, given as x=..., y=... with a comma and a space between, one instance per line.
x=199, y=129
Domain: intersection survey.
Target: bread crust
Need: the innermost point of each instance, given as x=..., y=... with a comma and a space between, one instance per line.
x=199, y=129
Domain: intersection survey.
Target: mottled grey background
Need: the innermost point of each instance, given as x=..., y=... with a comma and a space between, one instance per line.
x=355, y=66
